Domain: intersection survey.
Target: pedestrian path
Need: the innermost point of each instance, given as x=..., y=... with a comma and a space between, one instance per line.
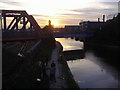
x=60, y=77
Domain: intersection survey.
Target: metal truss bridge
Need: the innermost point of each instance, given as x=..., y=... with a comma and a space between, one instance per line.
x=19, y=25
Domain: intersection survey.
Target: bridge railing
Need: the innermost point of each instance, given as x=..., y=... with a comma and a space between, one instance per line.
x=18, y=25
x=18, y=22
x=11, y=19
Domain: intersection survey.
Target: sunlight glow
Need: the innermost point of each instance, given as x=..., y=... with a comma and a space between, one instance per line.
x=60, y=12
x=55, y=22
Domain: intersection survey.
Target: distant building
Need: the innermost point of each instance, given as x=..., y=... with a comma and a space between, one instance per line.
x=85, y=25
x=59, y=29
x=88, y=25
x=72, y=27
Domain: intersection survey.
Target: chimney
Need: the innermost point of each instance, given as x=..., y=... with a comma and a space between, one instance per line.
x=98, y=19
x=103, y=18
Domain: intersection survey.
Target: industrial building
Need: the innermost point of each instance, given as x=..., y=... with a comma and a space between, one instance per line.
x=89, y=25
x=72, y=27
x=86, y=25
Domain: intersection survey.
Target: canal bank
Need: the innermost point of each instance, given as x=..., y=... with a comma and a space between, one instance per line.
x=22, y=63
x=20, y=66
x=64, y=77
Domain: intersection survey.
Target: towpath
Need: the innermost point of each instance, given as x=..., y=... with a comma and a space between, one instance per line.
x=60, y=76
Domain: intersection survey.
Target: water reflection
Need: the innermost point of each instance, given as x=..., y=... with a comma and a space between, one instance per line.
x=90, y=71
x=70, y=44
x=91, y=74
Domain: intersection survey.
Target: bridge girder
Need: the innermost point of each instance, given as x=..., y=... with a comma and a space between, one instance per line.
x=16, y=17
x=11, y=31
x=19, y=21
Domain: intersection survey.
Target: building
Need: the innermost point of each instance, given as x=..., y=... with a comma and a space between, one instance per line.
x=90, y=25
x=72, y=27
x=86, y=25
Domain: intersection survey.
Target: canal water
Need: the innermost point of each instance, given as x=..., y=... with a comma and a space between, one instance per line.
x=90, y=71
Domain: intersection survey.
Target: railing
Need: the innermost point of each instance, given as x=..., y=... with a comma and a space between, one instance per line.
x=14, y=24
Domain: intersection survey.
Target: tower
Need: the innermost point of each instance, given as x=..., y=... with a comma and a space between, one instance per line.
x=49, y=23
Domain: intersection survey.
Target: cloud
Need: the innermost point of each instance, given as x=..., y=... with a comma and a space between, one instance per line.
x=108, y=0
x=101, y=7
x=4, y=0
x=66, y=14
x=40, y=15
x=70, y=21
x=96, y=11
x=13, y=3
x=92, y=12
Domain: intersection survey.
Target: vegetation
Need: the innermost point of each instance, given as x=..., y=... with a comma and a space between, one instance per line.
x=46, y=47
x=21, y=72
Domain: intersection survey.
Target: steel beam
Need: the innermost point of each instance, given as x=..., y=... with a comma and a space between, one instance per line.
x=24, y=33
x=4, y=22
x=12, y=15
x=13, y=11
x=18, y=19
x=24, y=24
x=11, y=23
x=16, y=25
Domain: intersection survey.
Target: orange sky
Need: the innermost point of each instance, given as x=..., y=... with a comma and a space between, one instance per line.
x=63, y=12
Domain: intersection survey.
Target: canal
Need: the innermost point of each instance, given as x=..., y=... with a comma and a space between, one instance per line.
x=90, y=71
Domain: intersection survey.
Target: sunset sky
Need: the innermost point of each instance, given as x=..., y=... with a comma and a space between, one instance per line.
x=63, y=12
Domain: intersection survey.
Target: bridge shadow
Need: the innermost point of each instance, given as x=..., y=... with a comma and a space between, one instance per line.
x=74, y=54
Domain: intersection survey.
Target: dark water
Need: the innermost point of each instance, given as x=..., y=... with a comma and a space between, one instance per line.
x=91, y=71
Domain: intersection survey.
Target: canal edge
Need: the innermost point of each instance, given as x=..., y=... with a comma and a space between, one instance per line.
x=66, y=70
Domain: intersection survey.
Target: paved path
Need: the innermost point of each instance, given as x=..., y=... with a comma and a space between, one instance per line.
x=60, y=81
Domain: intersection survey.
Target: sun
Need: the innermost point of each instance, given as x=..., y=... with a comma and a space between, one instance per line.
x=55, y=22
